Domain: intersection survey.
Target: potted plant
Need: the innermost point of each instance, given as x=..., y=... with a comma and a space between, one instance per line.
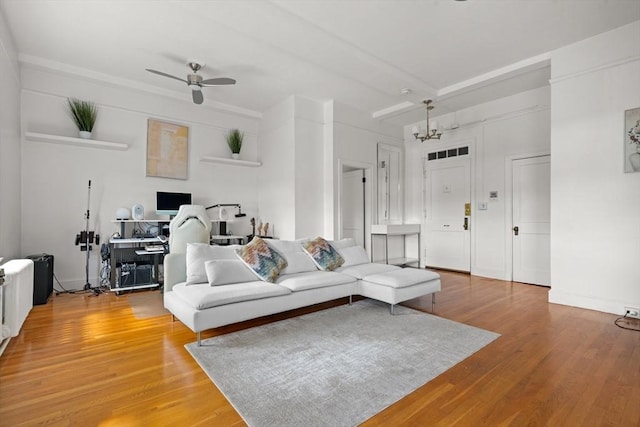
x=84, y=114
x=234, y=140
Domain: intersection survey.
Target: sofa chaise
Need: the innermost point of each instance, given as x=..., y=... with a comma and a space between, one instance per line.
x=208, y=286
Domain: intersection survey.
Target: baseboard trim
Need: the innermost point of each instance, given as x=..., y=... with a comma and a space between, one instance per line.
x=582, y=301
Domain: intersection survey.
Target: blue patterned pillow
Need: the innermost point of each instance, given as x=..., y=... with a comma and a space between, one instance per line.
x=323, y=254
x=262, y=260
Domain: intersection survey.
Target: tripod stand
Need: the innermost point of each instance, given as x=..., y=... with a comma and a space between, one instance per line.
x=85, y=239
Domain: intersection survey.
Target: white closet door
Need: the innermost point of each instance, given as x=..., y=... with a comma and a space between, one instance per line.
x=532, y=220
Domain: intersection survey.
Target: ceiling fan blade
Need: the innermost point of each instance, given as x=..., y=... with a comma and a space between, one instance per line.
x=197, y=96
x=165, y=75
x=220, y=81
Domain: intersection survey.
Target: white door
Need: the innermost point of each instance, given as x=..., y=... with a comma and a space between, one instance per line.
x=447, y=185
x=352, y=206
x=531, y=220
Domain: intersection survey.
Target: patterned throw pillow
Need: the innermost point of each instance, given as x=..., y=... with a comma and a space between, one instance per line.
x=323, y=254
x=262, y=260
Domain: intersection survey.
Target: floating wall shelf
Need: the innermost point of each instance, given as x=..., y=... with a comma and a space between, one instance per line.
x=78, y=142
x=225, y=161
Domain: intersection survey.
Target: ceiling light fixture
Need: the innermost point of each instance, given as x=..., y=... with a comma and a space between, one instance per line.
x=432, y=132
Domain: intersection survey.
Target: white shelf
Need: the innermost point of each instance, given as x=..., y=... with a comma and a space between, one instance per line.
x=402, y=261
x=134, y=287
x=136, y=240
x=78, y=142
x=143, y=252
x=395, y=229
x=225, y=161
x=140, y=220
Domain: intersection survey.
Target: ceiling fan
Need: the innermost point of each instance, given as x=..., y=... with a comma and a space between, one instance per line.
x=195, y=81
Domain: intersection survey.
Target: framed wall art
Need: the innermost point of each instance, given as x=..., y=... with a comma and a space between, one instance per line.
x=632, y=140
x=167, y=150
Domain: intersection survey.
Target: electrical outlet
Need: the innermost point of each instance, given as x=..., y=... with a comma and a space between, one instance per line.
x=632, y=312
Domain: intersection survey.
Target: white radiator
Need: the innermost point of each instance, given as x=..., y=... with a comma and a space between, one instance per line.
x=16, y=298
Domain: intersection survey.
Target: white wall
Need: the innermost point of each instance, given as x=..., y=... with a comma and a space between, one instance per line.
x=55, y=177
x=309, y=174
x=595, y=227
x=291, y=178
x=509, y=127
x=10, y=160
x=353, y=139
x=302, y=143
x=276, y=185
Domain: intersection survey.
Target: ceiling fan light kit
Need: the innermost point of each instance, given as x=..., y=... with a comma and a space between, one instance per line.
x=433, y=131
x=195, y=82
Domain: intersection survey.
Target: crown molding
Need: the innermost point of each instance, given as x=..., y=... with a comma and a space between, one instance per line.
x=595, y=68
x=494, y=76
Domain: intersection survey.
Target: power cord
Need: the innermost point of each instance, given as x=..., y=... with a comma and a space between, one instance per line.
x=624, y=319
x=66, y=291
x=95, y=291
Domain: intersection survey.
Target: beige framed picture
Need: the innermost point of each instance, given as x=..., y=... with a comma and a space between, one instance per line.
x=167, y=150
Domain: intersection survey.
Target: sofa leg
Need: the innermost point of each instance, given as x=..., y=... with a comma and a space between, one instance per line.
x=433, y=302
x=350, y=299
x=198, y=335
x=391, y=309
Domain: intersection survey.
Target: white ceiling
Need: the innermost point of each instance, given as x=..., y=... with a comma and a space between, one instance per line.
x=359, y=52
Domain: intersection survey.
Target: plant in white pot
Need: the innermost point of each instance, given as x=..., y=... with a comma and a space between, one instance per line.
x=234, y=140
x=84, y=114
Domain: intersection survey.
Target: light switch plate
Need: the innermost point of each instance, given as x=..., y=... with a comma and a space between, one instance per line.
x=482, y=206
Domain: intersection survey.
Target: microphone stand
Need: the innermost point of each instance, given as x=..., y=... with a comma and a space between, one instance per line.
x=87, y=285
x=87, y=237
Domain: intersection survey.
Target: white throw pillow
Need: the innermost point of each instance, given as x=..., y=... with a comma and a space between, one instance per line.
x=344, y=243
x=297, y=260
x=228, y=271
x=354, y=255
x=199, y=253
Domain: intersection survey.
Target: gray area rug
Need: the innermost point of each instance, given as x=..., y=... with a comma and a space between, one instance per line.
x=336, y=367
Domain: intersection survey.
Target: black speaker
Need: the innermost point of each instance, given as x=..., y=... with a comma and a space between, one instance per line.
x=143, y=274
x=126, y=276
x=42, y=277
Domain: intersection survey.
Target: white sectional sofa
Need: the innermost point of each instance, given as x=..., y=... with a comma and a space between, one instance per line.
x=208, y=286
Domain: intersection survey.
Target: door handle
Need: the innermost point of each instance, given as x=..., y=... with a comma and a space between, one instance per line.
x=515, y=230
x=466, y=223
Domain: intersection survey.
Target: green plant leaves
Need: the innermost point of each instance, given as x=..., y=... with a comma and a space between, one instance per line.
x=83, y=113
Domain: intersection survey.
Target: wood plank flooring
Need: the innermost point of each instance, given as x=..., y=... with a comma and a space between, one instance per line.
x=84, y=360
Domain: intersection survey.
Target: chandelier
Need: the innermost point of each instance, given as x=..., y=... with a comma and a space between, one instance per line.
x=432, y=131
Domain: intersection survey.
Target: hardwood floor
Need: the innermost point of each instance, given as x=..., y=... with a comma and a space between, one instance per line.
x=86, y=360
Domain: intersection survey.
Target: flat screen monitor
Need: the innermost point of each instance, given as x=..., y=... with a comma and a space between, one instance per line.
x=169, y=203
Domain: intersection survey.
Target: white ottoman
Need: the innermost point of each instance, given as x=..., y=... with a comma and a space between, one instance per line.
x=401, y=285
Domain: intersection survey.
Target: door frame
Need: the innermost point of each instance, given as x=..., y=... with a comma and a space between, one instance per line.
x=368, y=199
x=508, y=204
x=471, y=143
x=401, y=184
